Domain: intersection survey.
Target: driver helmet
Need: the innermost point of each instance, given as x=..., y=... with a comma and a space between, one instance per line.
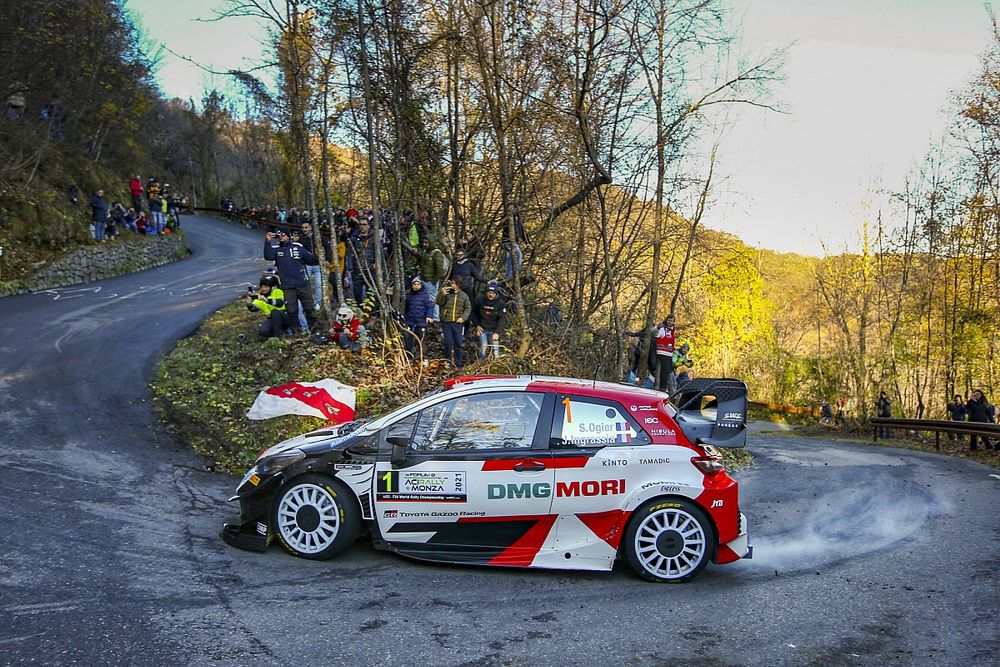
x=344, y=314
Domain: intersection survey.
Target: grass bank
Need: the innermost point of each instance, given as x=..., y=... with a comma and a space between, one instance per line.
x=205, y=386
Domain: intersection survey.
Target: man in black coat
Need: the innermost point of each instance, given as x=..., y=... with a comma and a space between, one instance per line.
x=978, y=409
x=99, y=214
x=290, y=259
x=956, y=412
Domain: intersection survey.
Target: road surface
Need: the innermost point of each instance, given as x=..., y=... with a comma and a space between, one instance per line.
x=111, y=554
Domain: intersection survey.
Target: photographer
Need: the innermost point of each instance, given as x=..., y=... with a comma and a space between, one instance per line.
x=270, y=300
x=682, y=365
x=291, y=259
x=455, y=309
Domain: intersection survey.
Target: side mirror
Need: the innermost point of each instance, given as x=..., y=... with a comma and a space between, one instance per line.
x=398, y=444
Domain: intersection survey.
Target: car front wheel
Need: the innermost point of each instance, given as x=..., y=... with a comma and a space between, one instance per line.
x=670, y=540
x=315, y=517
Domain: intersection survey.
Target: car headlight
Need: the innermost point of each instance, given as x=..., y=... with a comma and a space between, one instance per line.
x=269, y=465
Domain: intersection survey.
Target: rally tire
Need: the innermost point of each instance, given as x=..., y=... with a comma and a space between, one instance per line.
x=669, y=540
x=315, y=517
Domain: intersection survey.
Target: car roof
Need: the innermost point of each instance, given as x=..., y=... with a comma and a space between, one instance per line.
x=623, y=393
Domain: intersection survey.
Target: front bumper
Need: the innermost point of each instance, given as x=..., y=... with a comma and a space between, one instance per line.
x=250, y=535
x=738, y=548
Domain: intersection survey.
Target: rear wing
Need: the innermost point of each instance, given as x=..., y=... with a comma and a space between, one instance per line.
x=713, y=411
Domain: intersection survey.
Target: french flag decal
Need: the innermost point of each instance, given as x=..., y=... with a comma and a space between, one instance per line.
x=623, y=433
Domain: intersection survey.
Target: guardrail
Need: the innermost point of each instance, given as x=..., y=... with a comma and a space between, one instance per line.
x=247, y=218
x=938, y=426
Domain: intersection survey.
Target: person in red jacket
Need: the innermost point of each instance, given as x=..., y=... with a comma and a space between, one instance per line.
x=347, y=330
x=135, y=187
x=666, y=338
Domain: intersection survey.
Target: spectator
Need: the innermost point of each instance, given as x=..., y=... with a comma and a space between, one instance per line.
x=956, y=412
x=129, y=221
x=490, y=319
x=348, y=331
x=513, y=258
x=308, y=241
x=466, y=273
x=363, y=246
x=472, y=247
x=98, y=215
x=635, y=361
x=433, y=269
x=666, y=336
x=682, y=365
x=157, y=223
x=290, y=259
x=135, y=187
x=978, y=409
x=883, y=409
x=826, y=413
x=269, y=300
x=454, y=308
x=418, y=313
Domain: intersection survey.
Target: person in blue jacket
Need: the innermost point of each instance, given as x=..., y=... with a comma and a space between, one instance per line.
x=290, y=259
x=418, y=312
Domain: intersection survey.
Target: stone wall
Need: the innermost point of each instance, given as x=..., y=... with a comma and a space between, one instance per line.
x=89, y=263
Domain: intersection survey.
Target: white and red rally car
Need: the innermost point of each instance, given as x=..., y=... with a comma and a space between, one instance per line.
x=515, y=471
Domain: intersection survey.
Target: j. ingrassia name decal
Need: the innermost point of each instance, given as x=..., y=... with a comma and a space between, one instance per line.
x=412, y=485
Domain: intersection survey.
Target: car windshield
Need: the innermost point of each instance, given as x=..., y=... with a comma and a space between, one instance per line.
x=376, y=424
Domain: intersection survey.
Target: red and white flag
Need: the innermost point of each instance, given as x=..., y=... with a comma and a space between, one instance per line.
x=326, y=399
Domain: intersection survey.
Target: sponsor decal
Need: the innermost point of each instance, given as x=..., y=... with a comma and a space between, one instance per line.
x=663, y=431
x=254, y=479
x=412, y=485
x=733, y=416
x=716, y=503
x=651, y=420
x=349, y=466
x=610, y=463
x=401, y=514
x=513, y=491
x=663, y=506
x=670, y=487
x=262, y=528
x=661, y=460
x=642, y=408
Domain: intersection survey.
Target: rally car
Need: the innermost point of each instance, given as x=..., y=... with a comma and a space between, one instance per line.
x=515, y=471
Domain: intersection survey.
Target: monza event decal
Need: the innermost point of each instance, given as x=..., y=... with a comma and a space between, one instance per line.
x=422, y=486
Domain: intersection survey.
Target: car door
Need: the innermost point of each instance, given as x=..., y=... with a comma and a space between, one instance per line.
x=476, y=484
x=589, y=500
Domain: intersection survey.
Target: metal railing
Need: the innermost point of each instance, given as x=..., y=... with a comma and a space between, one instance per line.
x=264, y=223
x=938, y=426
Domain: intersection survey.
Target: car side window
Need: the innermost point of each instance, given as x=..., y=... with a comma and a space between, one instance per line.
x=498, y=420
x=587, y=422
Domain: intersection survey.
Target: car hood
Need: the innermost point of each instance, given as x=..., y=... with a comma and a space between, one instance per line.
x=325, y=439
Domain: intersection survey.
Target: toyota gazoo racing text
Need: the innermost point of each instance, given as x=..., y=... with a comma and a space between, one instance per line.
x=515, y=471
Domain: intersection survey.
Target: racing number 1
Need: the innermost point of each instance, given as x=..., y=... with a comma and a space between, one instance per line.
x=569, y=413
x=388, y=481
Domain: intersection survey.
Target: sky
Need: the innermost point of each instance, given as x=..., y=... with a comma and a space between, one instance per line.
x=867, y=88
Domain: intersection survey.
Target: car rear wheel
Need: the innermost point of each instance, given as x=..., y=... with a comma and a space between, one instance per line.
x=669, y=540
x=315, y=517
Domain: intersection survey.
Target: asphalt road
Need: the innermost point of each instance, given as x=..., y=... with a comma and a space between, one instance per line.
x=110, y=550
